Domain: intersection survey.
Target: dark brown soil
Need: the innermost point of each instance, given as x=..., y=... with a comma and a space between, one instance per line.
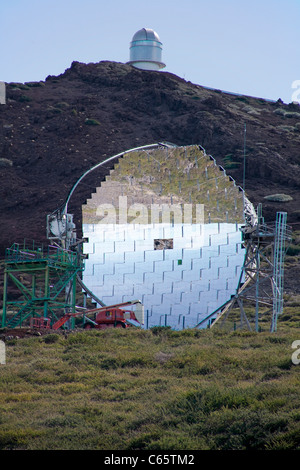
x=6, y=334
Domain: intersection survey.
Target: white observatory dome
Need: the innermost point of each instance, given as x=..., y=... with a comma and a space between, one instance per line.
x=146, y=50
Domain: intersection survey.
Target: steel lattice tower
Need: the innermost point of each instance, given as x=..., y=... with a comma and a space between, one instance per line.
x=278, y=277
x=262, y=277
x=45, y=279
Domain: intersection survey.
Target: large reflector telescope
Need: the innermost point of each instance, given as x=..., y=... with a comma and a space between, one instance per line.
x=164, y=227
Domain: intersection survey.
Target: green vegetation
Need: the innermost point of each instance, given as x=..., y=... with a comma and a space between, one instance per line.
x=19, y=86
x=293, y=250
x=92, y=122
x=5, y=162
x=54, y=110
x=24, y=99
x=35, y=84
x=229, y=163
x=62, y=105
x=155, y=389
x=245, y=99
x=278, y=197
x=292, y=115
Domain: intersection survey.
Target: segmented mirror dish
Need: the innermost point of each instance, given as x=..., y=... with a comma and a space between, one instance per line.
x=164, y=228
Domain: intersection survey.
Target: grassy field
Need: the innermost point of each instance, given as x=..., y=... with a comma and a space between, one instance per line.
x=152, y=389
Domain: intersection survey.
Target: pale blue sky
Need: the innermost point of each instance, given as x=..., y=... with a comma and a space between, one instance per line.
x=249, y=47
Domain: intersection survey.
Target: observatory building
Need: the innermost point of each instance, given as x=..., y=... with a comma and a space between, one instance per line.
x=146, y=50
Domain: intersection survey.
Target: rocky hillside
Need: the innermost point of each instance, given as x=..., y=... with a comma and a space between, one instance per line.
x=52, y=131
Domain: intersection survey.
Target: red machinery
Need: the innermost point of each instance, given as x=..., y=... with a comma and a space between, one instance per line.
x=113, y=317
x=105, y=317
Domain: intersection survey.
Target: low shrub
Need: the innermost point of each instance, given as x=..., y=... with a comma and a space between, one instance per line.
x=161, y=330
x=11, y=439
x=5, y=162
x=278, y=197
x=24, y=98
x=92, y=122
x=51, y=338
x=293, y=250
x=109, y=363
x=35, y=84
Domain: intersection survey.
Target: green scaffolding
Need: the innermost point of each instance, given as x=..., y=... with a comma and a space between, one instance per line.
x=39, y=282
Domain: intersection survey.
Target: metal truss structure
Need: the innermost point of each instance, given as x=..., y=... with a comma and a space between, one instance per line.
x=44, y=279
x=262, y=277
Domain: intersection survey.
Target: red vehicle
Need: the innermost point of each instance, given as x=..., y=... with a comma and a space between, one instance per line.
x=105, y=317
x=113, y=318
